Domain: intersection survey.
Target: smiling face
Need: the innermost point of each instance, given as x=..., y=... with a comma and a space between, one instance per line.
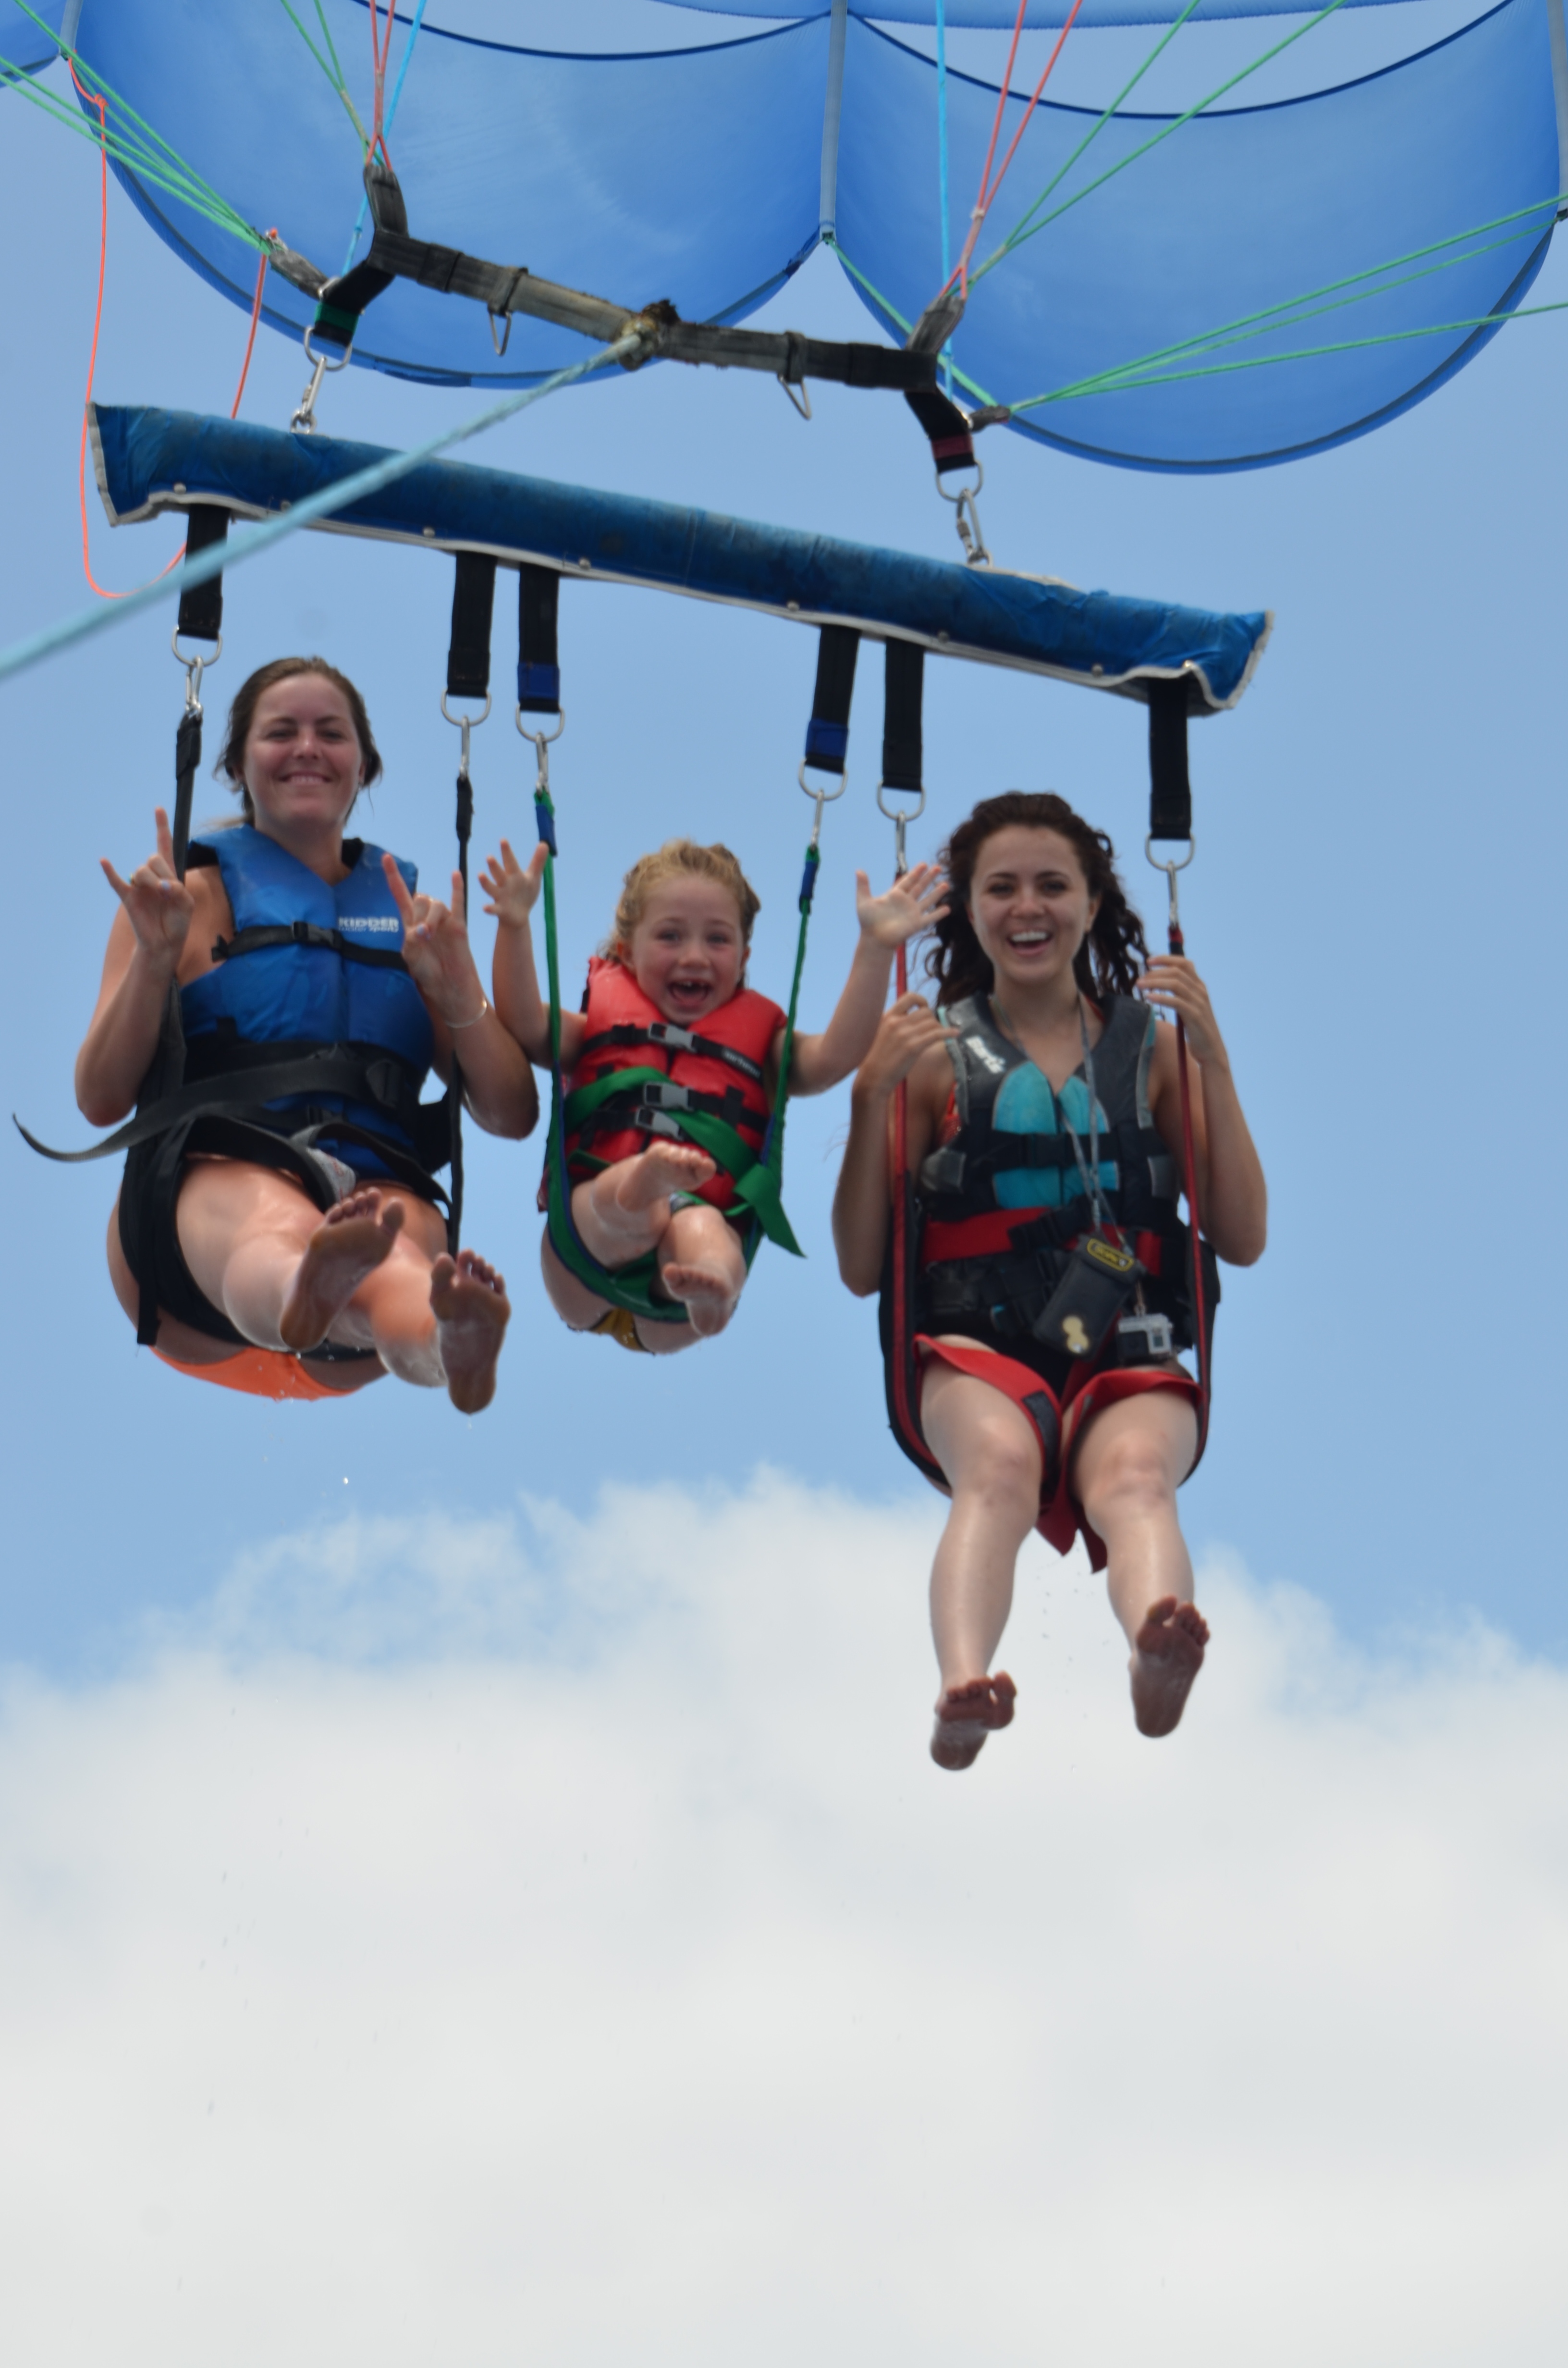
x=304, y=764
x=686, y=952
x=1029, y=905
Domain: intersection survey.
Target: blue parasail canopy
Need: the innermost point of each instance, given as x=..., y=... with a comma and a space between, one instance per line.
x=149, y=462
x=1244, y=287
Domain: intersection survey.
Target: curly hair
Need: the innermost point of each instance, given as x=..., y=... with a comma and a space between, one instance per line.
x=678, y=857
x=242, y=715
x=1111, y=956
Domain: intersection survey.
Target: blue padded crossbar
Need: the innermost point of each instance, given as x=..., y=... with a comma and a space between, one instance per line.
x=149, y=462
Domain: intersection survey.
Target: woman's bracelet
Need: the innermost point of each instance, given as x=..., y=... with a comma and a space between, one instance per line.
x=454, y=1025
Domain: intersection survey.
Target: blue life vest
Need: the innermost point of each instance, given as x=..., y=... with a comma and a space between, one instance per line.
x=310, y=990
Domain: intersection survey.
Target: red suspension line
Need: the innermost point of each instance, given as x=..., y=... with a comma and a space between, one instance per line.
x=988, y=187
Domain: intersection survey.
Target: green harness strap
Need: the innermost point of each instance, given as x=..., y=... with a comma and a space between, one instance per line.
x=757, y=1177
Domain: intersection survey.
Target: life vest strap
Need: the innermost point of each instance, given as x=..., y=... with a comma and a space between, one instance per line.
x=671, y=1039
x=263, y=937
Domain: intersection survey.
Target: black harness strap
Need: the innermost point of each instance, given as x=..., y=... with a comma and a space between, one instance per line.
x=539, y=660
x=671, y=1039
x=1170, y=788
x=263, y=935
x=903, y=747
x=200, y=620
x=341, y=300
x=379, y=1079
x=468, y=677
x=827, y=733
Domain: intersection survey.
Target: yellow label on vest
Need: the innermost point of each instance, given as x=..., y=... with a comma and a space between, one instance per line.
x=1106, y=1254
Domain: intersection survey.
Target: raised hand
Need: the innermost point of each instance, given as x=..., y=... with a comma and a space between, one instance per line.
x=909, y=1029
x=1173, y=987
x=911, y=904
x=157, y=902
x=512, y=887
x=435, y=947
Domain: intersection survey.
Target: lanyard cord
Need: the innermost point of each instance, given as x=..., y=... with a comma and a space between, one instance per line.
x=1089, y=1170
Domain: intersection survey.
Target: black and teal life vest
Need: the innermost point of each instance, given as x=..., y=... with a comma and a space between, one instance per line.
x=1001, y=1204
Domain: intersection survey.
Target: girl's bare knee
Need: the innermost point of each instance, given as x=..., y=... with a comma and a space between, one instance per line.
x=1130, y=1475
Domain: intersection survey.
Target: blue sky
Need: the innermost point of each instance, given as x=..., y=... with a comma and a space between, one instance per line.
x=1375, y=908
x=477, y=1888
x=1374, y=904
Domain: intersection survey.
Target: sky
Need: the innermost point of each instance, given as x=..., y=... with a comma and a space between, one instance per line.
x=467, y=1884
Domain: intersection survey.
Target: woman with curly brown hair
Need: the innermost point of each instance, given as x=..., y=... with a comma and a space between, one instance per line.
x=1051, y=1291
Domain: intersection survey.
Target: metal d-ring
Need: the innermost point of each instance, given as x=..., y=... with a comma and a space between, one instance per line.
x=466, y=725
x=194, y=668
x=900, y=817
x=541, y=741
x=504, y=339
x=822, y=798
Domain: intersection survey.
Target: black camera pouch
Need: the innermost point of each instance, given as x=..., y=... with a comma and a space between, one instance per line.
x=1086, y=1304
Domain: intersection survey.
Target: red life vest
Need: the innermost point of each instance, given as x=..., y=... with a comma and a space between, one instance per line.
x=718, y=1068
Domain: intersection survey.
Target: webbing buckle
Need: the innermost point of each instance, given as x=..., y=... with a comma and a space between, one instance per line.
x=654, y=1121
x=679, y=1039
x=666, y=1096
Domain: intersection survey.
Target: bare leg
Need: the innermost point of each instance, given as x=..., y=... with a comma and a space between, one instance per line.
x=702, y=1266
x=473, y=1310
x=991, y=1456
x=1126, y=1471
x=624, y=1212
x=363, y=1275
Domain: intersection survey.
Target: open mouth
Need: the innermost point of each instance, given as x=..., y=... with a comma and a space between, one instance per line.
x=688, y=993
x=1027, y=940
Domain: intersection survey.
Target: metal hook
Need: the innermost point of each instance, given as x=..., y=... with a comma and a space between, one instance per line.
x=900, y=817
x=822, y=798
x=194, y=668
x=304, y=422
x=541, y=741
x=802, y=401
x=465, y=724
x=970, y=533
x=504, y=339
x=1170, y=867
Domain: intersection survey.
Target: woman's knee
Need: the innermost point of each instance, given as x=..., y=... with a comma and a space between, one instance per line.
x=1002, y=1463
x=1133, y=1473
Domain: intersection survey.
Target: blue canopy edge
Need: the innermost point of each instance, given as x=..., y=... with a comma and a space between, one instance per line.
x=149, y=462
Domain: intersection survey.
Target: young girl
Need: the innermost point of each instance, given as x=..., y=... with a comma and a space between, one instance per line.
x=669, y=992
x=1044, y=1111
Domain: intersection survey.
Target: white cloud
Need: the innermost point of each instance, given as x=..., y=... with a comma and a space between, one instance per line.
x=489, y=1945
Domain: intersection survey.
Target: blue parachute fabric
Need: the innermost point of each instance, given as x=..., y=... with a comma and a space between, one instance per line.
x=149, y=460
x=1236, y=211
x=998, y=15
x=28, y=46
x=702, y=175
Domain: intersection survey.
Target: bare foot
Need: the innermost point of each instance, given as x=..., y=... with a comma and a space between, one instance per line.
x=663, y=1168
x=966, y=1713
x=1167, y=1654
x=705, y=1292
x=472, y=1312
x=351, y=1240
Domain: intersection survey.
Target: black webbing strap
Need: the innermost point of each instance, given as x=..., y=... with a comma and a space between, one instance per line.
x=904, y=685
x=539, y=662
x=473, y=602
x=468, y=677
x=947, y=429
x=827, y=733
x=201, y=607
x=200, y=620
x=261, y=936
x=1170, y=789
x=343, y=299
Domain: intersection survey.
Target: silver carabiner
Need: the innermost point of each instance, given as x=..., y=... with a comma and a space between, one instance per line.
x=822, y=798
x=466, y=724
x=541, y=741
x=304, y=422
x=970, y=533
x=900, y=817
x=194, y=669
x=1170, y=867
